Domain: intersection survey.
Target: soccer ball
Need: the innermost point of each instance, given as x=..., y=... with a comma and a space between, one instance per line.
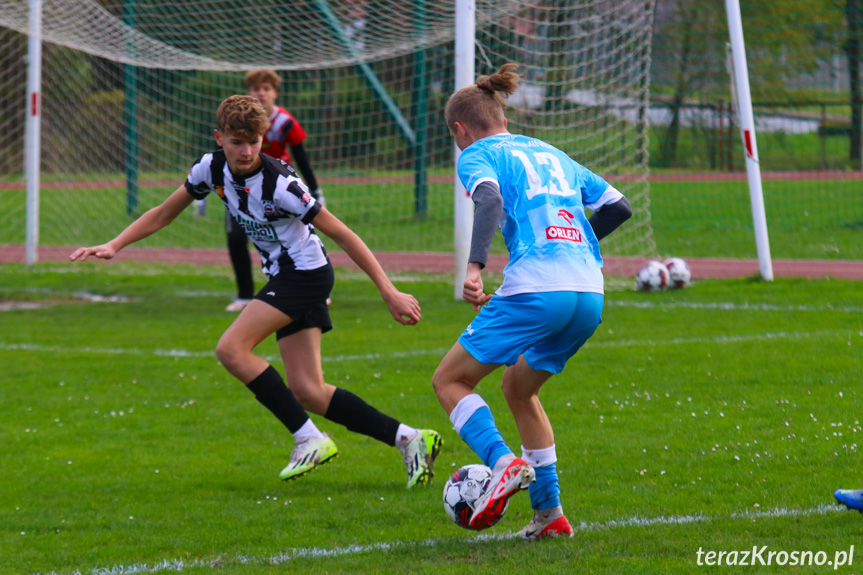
x=678, y=272
x=462, y=490
x=652, y=277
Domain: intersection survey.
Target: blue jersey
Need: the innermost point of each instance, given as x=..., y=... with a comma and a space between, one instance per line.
x=551, y=244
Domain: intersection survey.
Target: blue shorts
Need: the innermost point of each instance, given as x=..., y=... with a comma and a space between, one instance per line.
x=548, y=328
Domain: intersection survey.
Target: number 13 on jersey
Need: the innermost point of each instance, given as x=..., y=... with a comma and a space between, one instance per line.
x=555, y=183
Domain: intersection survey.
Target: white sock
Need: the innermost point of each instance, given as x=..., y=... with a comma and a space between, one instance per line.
x=539, y=457
x=309, y=429
x=464, y=409
x=404, y=434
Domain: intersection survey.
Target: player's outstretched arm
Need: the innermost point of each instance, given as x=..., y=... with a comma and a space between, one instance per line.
x=403, y=307
x=149, y=223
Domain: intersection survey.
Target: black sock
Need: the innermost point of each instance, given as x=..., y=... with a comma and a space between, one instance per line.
x=358, y=416
x=273, y=394
x=241, y=260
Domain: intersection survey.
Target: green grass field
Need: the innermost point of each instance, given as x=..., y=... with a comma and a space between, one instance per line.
x=718, y=417
x=804, y=220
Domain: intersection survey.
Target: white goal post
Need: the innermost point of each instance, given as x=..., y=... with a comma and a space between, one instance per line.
x=742, y=99
x=465, y=54
x=33, y=138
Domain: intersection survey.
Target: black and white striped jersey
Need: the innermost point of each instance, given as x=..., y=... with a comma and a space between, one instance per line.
x=272, y=204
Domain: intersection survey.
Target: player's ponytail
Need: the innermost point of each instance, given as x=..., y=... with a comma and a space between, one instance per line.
x=504, y=81
x=481, y=105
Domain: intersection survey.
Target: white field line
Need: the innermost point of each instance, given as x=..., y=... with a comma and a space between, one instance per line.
x=721, y=306
x=718, y=339
x=440, y=352
x=319, y=552
x=206, y=354
x=728, y=306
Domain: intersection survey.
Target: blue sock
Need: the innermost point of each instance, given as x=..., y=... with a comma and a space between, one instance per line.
x=545, y=493
x=481, y=435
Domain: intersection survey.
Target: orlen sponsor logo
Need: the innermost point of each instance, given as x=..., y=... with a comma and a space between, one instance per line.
x=559, y=233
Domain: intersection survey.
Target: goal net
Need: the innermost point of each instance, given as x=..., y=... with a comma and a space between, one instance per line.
x=130, y=90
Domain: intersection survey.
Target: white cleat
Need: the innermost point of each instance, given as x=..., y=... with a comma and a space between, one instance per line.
x=308, y=453
x=419, y=454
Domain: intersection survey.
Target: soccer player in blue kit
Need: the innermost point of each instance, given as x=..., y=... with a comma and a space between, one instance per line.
x=550, y=301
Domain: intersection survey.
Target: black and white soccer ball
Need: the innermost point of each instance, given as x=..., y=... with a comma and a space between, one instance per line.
x=652, y=277
x=461, y=491
x=679, y=275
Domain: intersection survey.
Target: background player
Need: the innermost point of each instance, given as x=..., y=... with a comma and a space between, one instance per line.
x=850, y=498
x=283, y=138
x=271, y=202
x=550, y=302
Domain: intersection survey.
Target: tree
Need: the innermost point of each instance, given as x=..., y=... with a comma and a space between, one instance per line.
x=781, y=43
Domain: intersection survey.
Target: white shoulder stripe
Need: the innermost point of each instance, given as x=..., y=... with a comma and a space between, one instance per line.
x=480, y=181
x=609, y=196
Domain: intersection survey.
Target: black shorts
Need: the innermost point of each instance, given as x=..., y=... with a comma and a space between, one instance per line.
x=301, y=295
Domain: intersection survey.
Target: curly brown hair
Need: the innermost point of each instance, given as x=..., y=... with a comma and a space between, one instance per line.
x=481, y=106
x=243, y=116
x=263, y=76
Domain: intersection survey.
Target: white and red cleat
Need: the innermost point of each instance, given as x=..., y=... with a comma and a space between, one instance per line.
x=547, y=523
x=515, y=477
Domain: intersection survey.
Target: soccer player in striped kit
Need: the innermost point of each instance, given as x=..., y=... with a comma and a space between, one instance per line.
x=276, y=210
x=550, y=301
x=283, y=138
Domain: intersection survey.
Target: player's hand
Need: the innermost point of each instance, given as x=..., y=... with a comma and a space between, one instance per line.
x=404, y=308
x=105, y=252
x=473, y=288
